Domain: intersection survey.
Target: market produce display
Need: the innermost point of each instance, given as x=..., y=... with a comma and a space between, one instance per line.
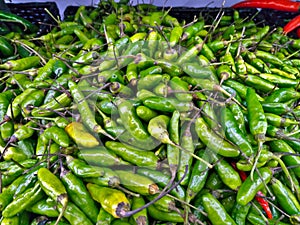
x=127, y=115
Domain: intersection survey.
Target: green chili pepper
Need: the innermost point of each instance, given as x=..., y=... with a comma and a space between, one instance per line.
x=131, y=73
x=20, y=80
x=45, y=71
x=182, y=88
x=78, y=194
x=109, y=179
x=110, y=75
x=14, y=108
x=224, y=72
x=60, y=82
x=268, y=57
x=186, y=158
x=142, y=144
x=162, y=180
x=169, y=67
x=80, y=135
x=191, y=30
x=73, y=214
x=6, y=48
x=165, y=204
x=131, y=121
x=54, y=188
x=81, y=169
x=282, y=73
x=100, y=156
x=137, y=183
x=157, y=128
x=21, y=64
x=198, y=176
x=281, y=146
x=239, y=88
x=149, y=81
x=233, y=133
x=112, y=200
x=259, y=83
x=277, y=108
x=85, y=112
x=251, y=69
x=104, y=218
x=14, y=220
x=197, y=71
x=249, y=188
x=215, y=211
x=173, y=152
x=49, y=108
x=167, y=104
x=213, y=182
x=213, y=141
x=240, y=66
x=175, y=35
x=282, y=95
x=279, y=121
x=58, y=135
x=121, y=90
x=257, y=121
x=209, y=114
x=280, y=81
x=239, y=213
x=226, y=172
x=5, y=98
x=7, y=130
x=145, y=113
x=258, y=220
x=16, y=154
x=164, y=216
x=133, y=155
x=285, y=197
x=29, y=197
x=35, y=99
x=28, y=26
x=142, y=216
x=44, y=207
x=18, y=186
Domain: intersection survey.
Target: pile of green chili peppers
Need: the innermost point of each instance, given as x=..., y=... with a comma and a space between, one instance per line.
x=125, y=115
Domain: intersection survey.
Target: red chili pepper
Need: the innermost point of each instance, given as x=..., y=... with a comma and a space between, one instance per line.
x=259, y=197
x=293, y=24
x=281, y=5
x=242, y=174
x=298, y=32
x=264, y=204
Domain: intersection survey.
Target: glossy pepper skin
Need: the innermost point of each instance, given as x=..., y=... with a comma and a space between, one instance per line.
x=214, y=142
x=29, y=197
x=257, y=120
x=44, y=207
x=281, y=146
x=137, y=183
x=249, y=188
x=215, y=210
x=80, y=135
x=285, y=197
x=112, y=200
x=79, y=194
x=198, y=177
x=28, y=26
x=234, y=133
x=53, y=187
x=281, y=5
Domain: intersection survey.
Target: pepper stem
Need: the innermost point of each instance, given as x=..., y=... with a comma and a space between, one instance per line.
x=260, y=143
x=285, y=170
